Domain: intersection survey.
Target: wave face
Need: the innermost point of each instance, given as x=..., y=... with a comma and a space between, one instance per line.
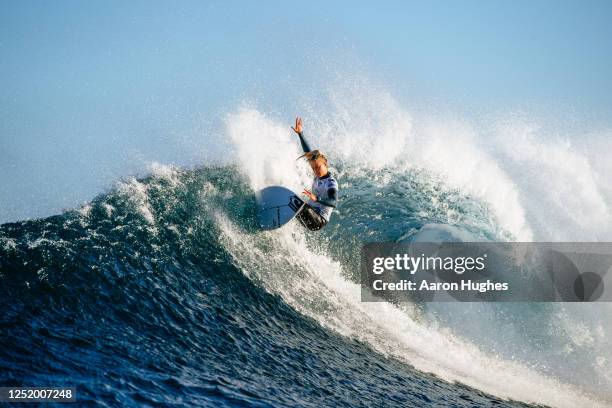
x=163, y=291
x=139, y=298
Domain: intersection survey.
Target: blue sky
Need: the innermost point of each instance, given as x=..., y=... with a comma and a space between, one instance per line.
x=92, y=91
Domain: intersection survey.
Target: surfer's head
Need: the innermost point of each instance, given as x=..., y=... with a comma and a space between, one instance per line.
x=317, y=161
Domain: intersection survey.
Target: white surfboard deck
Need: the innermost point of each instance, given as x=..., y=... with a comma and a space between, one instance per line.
x=276, y=206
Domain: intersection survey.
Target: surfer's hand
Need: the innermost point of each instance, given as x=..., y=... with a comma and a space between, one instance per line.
x=298, y=125
x=310, y=195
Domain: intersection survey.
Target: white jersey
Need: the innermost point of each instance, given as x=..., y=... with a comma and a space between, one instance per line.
x=320, y=188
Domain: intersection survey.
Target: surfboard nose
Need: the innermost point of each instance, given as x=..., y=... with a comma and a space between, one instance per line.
x=276, y=206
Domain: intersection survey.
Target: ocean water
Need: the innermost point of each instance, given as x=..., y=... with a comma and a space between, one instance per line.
x=162, y=291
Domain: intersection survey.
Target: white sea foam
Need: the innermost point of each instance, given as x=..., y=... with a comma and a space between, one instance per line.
x=9, y=244
x=164, y=171
x=536, y=189
x=565, y=195
x=317, y=288
x=136, y=192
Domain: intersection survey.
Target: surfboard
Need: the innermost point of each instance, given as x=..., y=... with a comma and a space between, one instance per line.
x=276, y=206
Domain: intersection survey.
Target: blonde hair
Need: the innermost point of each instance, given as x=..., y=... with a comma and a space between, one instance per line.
x=314, y=155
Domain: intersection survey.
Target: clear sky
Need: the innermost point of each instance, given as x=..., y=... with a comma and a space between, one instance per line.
x=93, y=90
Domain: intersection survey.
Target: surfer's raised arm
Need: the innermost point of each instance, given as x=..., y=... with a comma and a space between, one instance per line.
x=298, y=129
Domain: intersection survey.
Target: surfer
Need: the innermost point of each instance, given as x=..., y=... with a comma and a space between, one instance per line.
x=323, y=195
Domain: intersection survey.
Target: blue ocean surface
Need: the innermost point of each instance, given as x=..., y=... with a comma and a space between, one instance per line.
x=143, y=297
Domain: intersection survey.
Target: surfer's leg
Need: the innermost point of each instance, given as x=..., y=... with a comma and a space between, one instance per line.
x=311, y=219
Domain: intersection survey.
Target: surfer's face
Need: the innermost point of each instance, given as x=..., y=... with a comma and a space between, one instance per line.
x=319, y=167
